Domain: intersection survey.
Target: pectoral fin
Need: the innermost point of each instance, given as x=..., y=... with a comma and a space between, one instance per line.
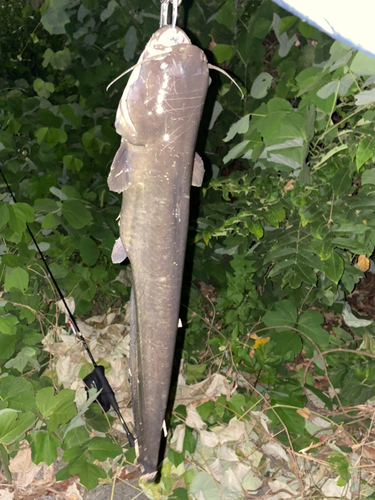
x=198, y=171
x=118, y=179
x=118, y=253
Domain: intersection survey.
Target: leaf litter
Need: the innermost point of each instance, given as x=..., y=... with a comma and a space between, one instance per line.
x=241, y=459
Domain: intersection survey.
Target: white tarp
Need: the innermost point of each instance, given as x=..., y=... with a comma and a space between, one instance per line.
x=349, y=21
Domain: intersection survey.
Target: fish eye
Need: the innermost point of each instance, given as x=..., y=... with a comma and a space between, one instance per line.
x=164, y=65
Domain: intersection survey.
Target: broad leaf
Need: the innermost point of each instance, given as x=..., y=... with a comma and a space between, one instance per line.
x=17, y=279
x=43, y=447
x=76, y=213
x=101, y=449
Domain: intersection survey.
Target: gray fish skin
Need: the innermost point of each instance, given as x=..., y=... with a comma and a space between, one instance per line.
x=158, y=119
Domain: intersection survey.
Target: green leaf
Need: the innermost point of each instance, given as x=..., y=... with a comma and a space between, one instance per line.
x=7, y=324
x=340, y=463
x=353, y=392
x=333, y=267
x=237, y=403
x=323, y=248
x=49, y=222
x=40, y=134
x=328, y=89
x=363, y=64
x=8, y=418
x=227, y=15
x=89, y=251
x=78, y=436
x=206, y=409
x=239, y=127
x=72, y=163
x=75, y=453
x=285, y=315
x=101, y=449
x=277, y=104
x=109, y=10
x=309, y=323
x=368, y=177
x=55, y=18
x=6, y=143
x=189, y=441
x=290, y=418
x=20, y=215
x=43, y=447
x=58, y=60
x=4, y=214
x=59, y=409
x=287, y=344
x=235, y=152
x=24, y=211
x=88, y=473
x=56, y=135
x=76, y=214
x=365, y=151
x=223, y=52
x=194, y=373
x=131, y=41
x=298, y=274
x=18, y=392
x=365, y=98
x=261, y=85
x=14, y=424
x=341, y=181
x=4, y=461
x=43, y=89
x=26, y=356
x=179, y=494
x=18, y=279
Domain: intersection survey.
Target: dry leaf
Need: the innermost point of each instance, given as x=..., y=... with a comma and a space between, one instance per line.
x=6, y=495
x=236, y=431
x=70, y=303
x=275, y=450
x=22, y=465
x=193, y=419
x=215, y=469
x=305, y=413
x=72, y=493
x=230, y=485
x=212, y=44
x=289, y=185
x=225, y=453
x=210, y=388
x=209, y=439
x=277, y=485
x=363, y=263
x=177, y=441
x=259, y=340
x=331, y=489
x=369, y=452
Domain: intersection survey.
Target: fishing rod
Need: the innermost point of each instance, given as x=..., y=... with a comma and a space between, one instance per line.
x=96, y=379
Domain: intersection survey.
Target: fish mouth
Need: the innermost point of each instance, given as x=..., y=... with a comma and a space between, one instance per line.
x=164, y=39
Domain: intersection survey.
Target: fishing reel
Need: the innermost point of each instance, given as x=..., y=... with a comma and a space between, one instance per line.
x=106, y=397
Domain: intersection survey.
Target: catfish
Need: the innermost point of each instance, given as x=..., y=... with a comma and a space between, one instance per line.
x=158, y=119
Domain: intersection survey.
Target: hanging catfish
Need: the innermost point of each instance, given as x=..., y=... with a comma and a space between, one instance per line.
x=158, y=119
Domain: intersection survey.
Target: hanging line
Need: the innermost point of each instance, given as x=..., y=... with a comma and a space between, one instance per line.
x=96, y=379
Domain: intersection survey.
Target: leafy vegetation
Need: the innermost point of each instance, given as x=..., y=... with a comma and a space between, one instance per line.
x=281, y=232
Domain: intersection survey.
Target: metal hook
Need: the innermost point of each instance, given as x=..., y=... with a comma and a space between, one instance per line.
x=164, y=12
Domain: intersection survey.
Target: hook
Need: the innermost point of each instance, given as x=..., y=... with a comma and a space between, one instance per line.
x=164, y=12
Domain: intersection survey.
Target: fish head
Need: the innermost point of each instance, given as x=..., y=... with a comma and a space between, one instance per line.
x=168, y=85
